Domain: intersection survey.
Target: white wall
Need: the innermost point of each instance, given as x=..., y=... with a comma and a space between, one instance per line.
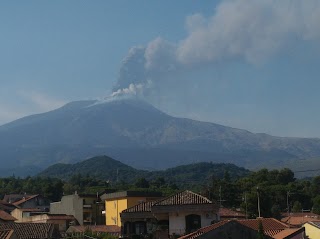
x=177, y=221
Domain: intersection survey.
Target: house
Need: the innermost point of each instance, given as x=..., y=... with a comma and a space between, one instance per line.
x=22, y=214
x=247, y=229
x=33, y=201
x=6, y=217
x=116, y=202
x=299, y=218
x=98, y=229
x=228, y=214
x=84, y=207
x=178, y=214
x=312, y=229
x=32, y=230
x=7, y=207
x=12, y=198
x=62, y=221
x=7, y=234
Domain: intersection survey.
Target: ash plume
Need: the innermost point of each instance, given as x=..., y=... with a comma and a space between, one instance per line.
x=239, y=30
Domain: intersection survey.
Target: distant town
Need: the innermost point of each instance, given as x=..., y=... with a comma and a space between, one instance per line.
x=261, y=204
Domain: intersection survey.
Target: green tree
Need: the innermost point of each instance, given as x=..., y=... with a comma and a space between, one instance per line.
x=142, y=183
x=297, y=207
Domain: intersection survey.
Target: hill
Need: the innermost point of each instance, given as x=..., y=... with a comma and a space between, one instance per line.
x=139, y=135
x=100, y=167
x=106, y=168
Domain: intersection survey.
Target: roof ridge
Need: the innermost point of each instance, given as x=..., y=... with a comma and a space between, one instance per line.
x=181, y=193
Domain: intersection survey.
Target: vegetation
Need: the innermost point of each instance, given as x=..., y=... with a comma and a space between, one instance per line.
x=228, y=185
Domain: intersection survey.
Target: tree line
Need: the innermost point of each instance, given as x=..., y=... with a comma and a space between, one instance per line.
x=278, y=190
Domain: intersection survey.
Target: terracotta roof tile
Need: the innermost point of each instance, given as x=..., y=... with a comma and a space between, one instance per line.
x=142, y=207
x=30, y=230
x=270, y=226
x=298, y=221
x=6, y=216
x=113, y=229
x=24, y=200
x=183, y=198
x=226, y=212
x=204, y=230
x=6, y=234
x=287, y=232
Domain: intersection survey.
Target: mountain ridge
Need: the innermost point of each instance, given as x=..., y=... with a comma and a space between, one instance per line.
x=137, y=133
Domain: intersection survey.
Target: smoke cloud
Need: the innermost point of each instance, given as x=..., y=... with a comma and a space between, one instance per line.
x=243, y=30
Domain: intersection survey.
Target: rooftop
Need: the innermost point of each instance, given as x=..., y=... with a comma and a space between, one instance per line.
x=6, y=216
x=125, y=194
x=30, y=230
x=183, y=198
x=229, y=213
x=24, y=199
x=113, y=229
x=6, y=234
x=270, y=226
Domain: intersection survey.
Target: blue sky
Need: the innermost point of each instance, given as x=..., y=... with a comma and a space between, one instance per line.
x=243, y=63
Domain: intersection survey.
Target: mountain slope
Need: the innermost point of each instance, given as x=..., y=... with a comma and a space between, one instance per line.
x=102, y=167
x=140, y=135
x=106, y=168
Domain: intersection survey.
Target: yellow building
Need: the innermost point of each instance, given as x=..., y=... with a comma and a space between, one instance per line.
x=116, y=202
x=312, y=229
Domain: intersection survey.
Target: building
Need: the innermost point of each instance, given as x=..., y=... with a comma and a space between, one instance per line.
x=8, y=234
x=178, y=214
x=62, y=221
x=99, y=229
x=33, y=201
x=247, y=229
x=299, y=218
x=228, y=214
x=6, y=217
x=84, y=207
x=32, y=230
x=116, y=202
x=312, y=229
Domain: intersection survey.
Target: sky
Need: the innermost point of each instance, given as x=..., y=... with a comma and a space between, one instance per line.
x=247, y=64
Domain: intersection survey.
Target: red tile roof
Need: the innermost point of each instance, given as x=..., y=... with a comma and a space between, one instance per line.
x=6, y=234
x=30, y=230
x=270, y=226
x=24, y=200
x=142, y=207
x=112, y=229
x=183, y=198
x=298, y=221
x=228, y=213
x=288, y=232
x=204, y=230
x=6, y=216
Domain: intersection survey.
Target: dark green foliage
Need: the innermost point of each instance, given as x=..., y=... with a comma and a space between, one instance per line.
x=113, y=171
x=297, y=206
x=260, y=231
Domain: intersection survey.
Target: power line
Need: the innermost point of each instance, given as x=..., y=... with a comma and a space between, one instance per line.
x=307, y=170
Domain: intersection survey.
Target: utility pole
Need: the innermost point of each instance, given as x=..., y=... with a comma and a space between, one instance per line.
x=220, y=199
x=288, y=207
x=258, y=202
x=245, y=202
